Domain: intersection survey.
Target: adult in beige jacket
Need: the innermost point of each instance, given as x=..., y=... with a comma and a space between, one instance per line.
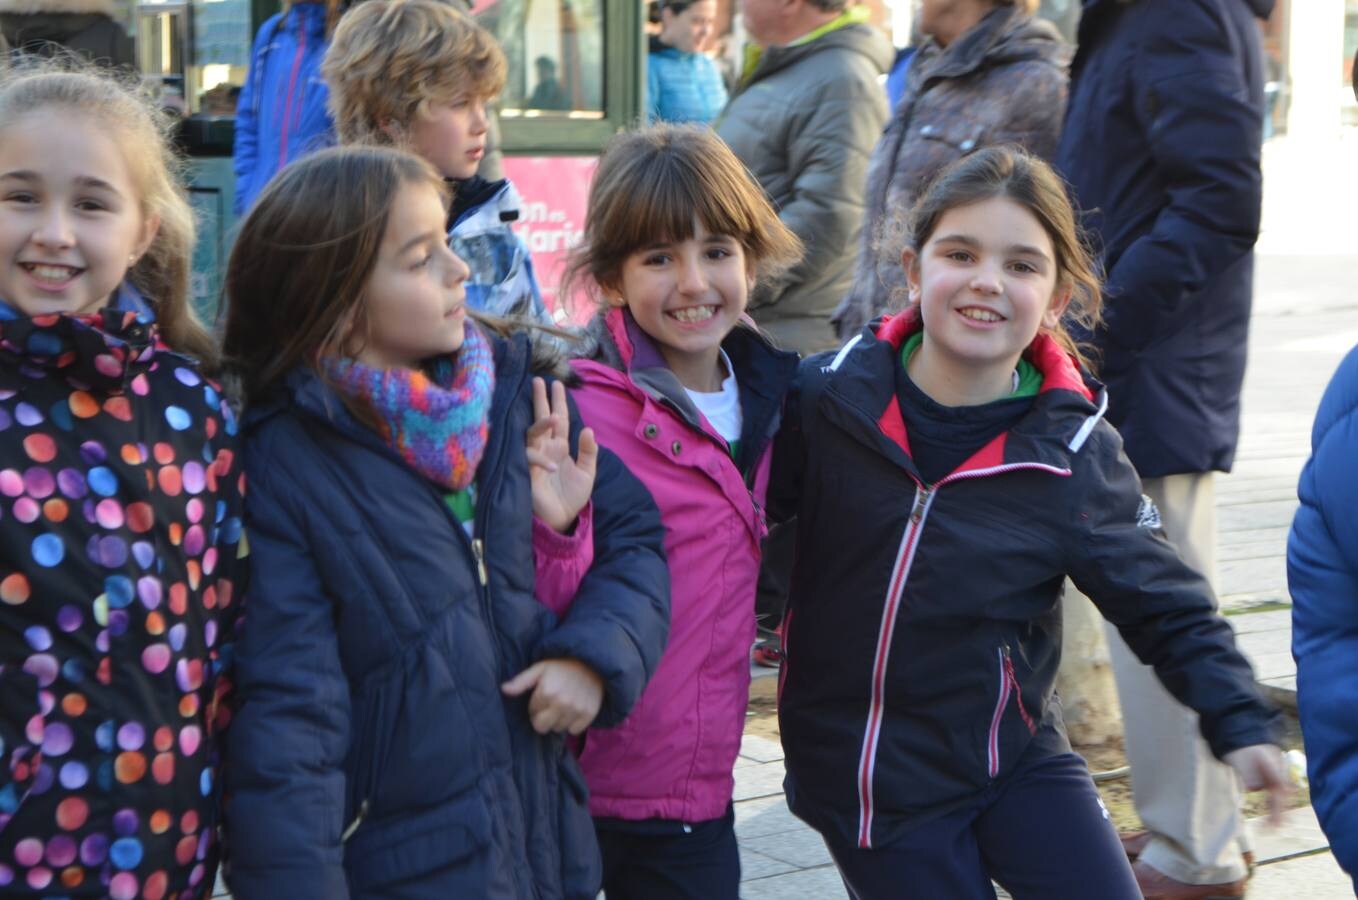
x=804, y=118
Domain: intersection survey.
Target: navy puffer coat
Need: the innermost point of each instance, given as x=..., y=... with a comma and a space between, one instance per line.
x=374, y=755
x=1322, y=573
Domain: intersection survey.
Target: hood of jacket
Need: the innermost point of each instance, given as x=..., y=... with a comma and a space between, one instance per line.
x=855, y=37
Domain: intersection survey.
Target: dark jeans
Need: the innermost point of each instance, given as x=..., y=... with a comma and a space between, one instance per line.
x=664, y=860
x=1042, y=833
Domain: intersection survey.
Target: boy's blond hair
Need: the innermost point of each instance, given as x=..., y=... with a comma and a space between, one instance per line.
x=390, y=59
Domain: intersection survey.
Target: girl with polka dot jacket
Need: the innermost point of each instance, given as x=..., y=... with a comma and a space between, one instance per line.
x=120, y=496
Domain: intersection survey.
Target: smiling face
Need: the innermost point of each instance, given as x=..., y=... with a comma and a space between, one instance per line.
x=451, y=135
x=71, y=224
x=691, y=29
x=415, y=298
x=985, y=282
x=687, y=296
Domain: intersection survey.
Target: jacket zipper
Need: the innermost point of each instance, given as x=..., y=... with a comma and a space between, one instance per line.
x=1009, y=684
x=900, y=573
x=1001, y=701
x=292, y=86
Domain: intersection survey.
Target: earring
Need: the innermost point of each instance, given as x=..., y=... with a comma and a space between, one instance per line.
x=132, y=260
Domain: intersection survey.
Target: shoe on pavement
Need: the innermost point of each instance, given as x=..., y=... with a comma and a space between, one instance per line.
x=1156, y=885
x=1133, y=842
x=768, y=651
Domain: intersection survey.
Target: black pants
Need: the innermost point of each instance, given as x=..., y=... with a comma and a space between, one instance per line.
x=660, y=859
x=1042, y=833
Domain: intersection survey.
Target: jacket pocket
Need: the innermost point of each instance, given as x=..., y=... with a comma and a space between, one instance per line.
x=22, y=729
x=371, y=734
x=1007, y=686
x=438, y=847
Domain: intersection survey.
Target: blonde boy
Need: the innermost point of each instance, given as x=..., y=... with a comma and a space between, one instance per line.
x=418, y=74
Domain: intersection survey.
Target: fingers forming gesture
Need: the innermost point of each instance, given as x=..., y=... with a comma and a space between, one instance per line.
x=561, y=485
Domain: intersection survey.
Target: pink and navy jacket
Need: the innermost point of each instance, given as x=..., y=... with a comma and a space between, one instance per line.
x=923, y=631
x=672, y=757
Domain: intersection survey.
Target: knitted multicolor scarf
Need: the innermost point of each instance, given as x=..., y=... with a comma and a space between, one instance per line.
x=438, y=419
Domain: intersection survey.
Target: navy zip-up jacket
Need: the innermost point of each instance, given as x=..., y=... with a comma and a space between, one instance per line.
x=373, y=754
x=923, y=631
x=1161, y=147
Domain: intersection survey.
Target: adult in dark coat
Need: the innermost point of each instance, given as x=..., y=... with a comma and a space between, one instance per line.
x=988, y=74
x=1161, y=148
x=87, y=27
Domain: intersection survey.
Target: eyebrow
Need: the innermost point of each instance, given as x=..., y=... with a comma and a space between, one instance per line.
x=419, y=239
x=86, y=181
x=968, y=241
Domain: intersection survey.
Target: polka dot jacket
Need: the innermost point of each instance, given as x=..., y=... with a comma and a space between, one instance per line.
x=120, y=494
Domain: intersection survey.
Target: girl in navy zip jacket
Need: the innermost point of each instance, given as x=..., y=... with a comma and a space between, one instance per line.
x=949, y=467
x=404, y=694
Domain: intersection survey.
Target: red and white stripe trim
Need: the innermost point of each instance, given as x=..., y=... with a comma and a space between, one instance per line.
x=900, y=572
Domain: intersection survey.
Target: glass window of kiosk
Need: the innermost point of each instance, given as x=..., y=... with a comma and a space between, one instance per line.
x=574, y=70
x=197, y=51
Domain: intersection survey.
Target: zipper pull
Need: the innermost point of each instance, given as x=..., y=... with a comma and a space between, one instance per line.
x=921, y=498
x=358, y=820
x=479, y=551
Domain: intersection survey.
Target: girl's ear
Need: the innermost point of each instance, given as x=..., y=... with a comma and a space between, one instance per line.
x=910, y=263
x=1057, y=307
x=612, y=296
x=149, y=229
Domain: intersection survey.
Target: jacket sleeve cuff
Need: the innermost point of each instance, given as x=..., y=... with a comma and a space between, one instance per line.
x=560, y=561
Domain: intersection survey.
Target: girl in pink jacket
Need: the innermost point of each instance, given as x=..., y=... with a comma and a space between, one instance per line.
x=679, y=383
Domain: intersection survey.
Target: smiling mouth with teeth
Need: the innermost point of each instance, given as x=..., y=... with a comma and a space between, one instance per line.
x=981, y=315
x=693, y=313
x=51, y=272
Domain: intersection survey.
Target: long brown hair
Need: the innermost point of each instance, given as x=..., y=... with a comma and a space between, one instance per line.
x=142, y=132
x=652, y=184
x=299, y=266
x=1014, y=174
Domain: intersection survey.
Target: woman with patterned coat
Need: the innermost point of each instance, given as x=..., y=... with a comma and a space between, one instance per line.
x=988, y=73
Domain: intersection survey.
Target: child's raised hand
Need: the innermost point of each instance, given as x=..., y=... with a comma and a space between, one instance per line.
x=1261, y=768
x=567, y=694
x=561, y=485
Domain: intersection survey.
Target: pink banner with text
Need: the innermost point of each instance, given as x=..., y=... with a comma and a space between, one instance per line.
x=555, y=191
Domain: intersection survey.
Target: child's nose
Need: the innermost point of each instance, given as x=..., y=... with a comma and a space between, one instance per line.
x=986, y=280
x=455, y=270
x=54, y=230
x=692, y=278
x=480, y=121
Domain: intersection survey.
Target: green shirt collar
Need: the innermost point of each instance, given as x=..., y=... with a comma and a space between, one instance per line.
x=1027, y=384
x=851, y=16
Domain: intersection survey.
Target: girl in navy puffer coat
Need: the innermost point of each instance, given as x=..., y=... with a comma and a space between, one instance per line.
x=948, y=468
x=405, y=695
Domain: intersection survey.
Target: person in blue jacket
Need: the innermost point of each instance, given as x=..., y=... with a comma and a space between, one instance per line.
x=683, y=84
x=447, y=576
x=281, y=113
x=1322, y=574
x=1161, y=147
